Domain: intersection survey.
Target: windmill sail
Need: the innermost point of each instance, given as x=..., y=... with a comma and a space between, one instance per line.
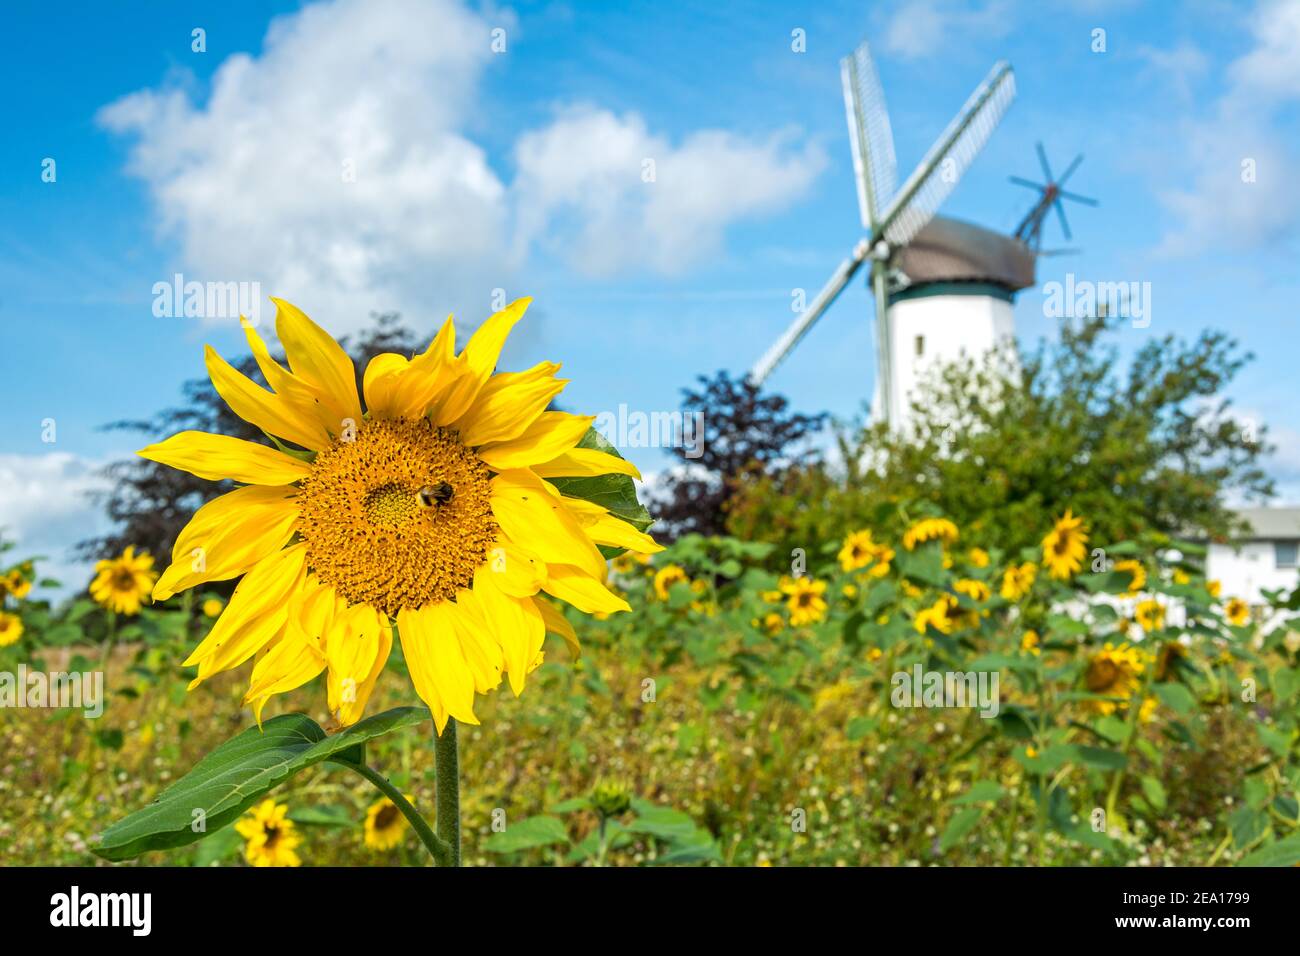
x=875, y=167
x=926, y=189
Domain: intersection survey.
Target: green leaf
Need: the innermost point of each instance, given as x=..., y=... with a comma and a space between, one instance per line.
x=1099, y=758
x=326, y=816
x=528, y=834
x=981, y=791
x=219, y=847
x=571, y=805
x=1155, y=792
x=1284, y=852
x=962, y=822
x=1176, y=697
x=617, y=493
x=237, y=774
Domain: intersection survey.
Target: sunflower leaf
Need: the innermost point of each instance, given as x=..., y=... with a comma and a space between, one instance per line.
x=241, y=771
x=616, y=493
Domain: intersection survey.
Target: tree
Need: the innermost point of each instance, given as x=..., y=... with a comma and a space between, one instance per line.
x=1003, y=448
x=746, y=435
x=150, y=503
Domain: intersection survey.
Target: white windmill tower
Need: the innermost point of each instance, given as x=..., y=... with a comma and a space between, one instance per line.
x=942, y=287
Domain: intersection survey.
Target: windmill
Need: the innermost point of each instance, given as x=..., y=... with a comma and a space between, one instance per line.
x=1050, y=194
x=914, y=256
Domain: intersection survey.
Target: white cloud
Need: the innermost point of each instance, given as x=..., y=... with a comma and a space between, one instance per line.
x=251, y=184
x=45, y=510
x=919, y=28
x=607, y=195
x=1243, y=194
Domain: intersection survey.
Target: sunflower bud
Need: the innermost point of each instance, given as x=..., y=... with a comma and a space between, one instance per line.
x=611, y=798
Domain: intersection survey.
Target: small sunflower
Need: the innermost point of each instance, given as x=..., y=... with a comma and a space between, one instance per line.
x=385, y=826
x=1063, y=548
x=974, y=589
x=269, y=836
x=1171, y=654
x=1137, y=575
x=772, y=623
x=17, y=584
x=121, y=584
x=432, y=511
x=1150, y=615
x=11, y=628
x=212, y=607
x=1017, y=580
x=858, y=551
x=666, y=577
x=978, y=558
x=1236, y=611
x=930, y=529
x=805, y=599
x=1114, y=671
x=1214, y=587
x=1029, y=643
x=943, y=615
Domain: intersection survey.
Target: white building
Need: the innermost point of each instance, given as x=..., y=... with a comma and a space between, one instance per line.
x=1264, y=559
x=951, y=296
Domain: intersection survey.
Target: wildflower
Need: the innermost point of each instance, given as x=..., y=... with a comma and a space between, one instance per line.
x=1029, y=642
x=1236, y=611
x=857, y=551
x=17, y=584
x=978, y=558
x=804, y=598
x=1113, y=672
x=944, y=616
x=666, y=577
x=384, y=825
x=11, y=628
x=1137, y=575
x=1017, y=580
x=974, y=589
x=1150, y=615
x=611, y=798
x=212, y=607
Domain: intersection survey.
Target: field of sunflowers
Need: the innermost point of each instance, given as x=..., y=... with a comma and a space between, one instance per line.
x=744, y=713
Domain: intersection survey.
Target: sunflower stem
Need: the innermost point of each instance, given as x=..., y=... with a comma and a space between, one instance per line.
x=446, y=763
x=439, y=850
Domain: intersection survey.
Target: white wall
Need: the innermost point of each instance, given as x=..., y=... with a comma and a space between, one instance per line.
x=1246, y=572
x=951, y=325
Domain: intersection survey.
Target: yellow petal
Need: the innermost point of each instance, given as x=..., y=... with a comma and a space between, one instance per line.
x=482, y=651
x=581, y=590
x=261, y=408
x=229, y=535
x=293, y=391
x=436, y=661
x=318, y=360
x=400, y=388
x=509, y=403
x=585, y=463
x=379, y=383
x=514, y=622
x=289, y=663
x=477, y=362
x=604, y=528
x=537, y=520
x=517, y=571
x=255, y=614
x=557, y=623
x=356, y=648
x=216, y=457
x=550, y=435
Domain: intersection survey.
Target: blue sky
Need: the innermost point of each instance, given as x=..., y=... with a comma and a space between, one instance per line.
x=520, y=170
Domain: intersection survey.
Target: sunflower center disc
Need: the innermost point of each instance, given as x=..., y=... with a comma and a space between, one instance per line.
x=398, y=517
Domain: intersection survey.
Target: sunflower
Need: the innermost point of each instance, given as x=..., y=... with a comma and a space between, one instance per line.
x=1029, y=643
x=1137, y=575
x=269, y=837
x=121, y=584
x=16, y=584
x=858, y=551
x=930, y=529
x=1214, y=587
x=666, y=577
x=212, y=607
x=431, y=511
x=1063, y=547
x=385, y=825
x=1171, y=655
x=1017, y=580
x=978, y=558
x=974, y=589
x=11, y=628
x=804, y=599
x=1150, y=615
x=943, y=615
x=772, y=623
x=1236, y=611
x=1114, y=671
